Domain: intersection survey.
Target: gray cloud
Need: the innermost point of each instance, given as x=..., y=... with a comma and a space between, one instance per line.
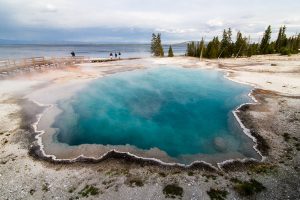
x=178, y=21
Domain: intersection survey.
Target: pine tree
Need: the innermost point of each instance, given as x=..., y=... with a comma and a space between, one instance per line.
x=213, y=48
x=156, y=46
x=153, y=43
x=296, y=45
x=281, y=41
x=170, y=53
x=292, y=45
x=192, y=49
x=188, y=49
x=160, y=50
x=283, y=37
x=230, y=48
x=197, y=49
x=252, y=48
x=265, y=42
x=202, y=48
x=226, y=44
x=240, y=45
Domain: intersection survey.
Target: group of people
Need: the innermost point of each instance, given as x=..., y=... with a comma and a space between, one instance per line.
x=116, y=55
x=111, y=55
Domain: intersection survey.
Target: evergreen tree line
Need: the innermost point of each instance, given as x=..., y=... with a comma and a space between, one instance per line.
x=157, y=48
x=242, y=46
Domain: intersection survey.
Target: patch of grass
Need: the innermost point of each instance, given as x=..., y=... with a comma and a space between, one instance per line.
x=72, y=189
x=297, y=145
x=248, y=188
x=135, y=182
x=286, y=137
x=262, y=168
x=32, y=191
x=235, y=180
x=162, y=174
x=288, y=153
x=210, y=176
x=89, y=190
x=108, y=182
x=45, y=187
x=117, y=172
x=216, y=194
x=72, y=198
x=273, y=64
x=190, y=173
x=289, y=150
x=173, y=191
x=176, y=172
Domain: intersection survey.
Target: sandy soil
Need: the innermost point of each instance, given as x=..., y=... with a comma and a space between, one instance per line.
x=275, y=121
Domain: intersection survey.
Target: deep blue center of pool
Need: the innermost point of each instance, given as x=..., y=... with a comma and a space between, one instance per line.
x=180, y=111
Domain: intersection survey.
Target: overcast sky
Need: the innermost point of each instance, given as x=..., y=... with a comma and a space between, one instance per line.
x=114, y=21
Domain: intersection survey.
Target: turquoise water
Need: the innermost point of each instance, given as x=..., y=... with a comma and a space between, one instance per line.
x=180, y=111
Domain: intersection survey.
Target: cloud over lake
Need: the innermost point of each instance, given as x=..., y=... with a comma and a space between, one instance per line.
x=124, y=20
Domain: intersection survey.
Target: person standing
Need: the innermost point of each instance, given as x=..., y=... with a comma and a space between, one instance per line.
x=119, y=55
x=116, y=55
x=73, y=54
x=111, y=55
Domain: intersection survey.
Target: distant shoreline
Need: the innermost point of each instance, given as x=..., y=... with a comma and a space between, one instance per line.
x=15, y=51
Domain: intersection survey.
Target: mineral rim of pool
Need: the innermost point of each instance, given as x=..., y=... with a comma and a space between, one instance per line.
x=185, y=113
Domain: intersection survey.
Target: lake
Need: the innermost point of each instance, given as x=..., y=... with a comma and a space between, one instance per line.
x=88, y=50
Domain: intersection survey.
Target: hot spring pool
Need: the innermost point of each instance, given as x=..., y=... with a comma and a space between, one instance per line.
x=182, y=112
